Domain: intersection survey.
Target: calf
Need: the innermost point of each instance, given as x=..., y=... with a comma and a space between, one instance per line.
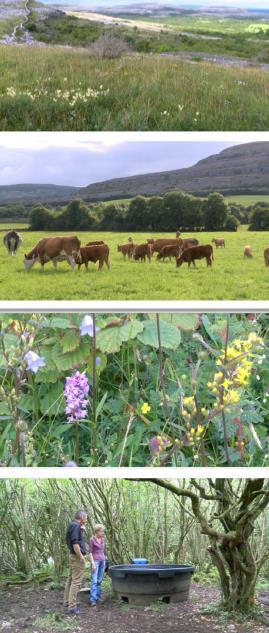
x=248, y=251
x=219, y=243
x=266, y=256
x=141, y=251
x=126, y=249
x=196, y=252
x=95, y=243
x=12, y=241
x=95, y=253
x=170, y=250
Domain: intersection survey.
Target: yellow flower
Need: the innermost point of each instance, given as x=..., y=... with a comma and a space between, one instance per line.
x=189, y=402
x=200, y=429
x=232, y=397
x=145, y=408
x=192, y=431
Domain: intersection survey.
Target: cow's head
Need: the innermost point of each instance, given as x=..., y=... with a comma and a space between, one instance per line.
x=29, y=261
x=179, y=261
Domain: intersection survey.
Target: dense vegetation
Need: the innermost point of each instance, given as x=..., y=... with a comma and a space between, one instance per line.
x=220, y=526
x=175, y=390
x=63, y=89
x=63, y=29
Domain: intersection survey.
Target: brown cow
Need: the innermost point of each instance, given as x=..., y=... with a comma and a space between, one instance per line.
x=126, y=249
x=54, y=249
x=219, y=243
x=196, y=252
x=170, y=250
x=158, y=244
x=95, y=253
x=248, y=251
x=95, y=243
x=266, y=256
x=141, y=251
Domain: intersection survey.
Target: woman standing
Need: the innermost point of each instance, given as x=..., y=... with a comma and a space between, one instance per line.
x=98, y=563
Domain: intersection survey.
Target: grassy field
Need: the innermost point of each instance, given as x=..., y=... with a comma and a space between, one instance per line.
x=247, y=201
x=231, y=277
x=213, y=25
x=64, y=89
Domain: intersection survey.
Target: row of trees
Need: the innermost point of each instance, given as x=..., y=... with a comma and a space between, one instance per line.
x=175, y=210
x=221, y=523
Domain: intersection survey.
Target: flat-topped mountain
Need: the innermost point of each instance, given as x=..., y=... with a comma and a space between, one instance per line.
x=241, y=169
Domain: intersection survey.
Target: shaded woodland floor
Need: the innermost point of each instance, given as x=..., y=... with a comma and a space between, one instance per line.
x=40, y=610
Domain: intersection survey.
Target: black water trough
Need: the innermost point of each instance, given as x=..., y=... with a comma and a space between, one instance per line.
x=144, y=584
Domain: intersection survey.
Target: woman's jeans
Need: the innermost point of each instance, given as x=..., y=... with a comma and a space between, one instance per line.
x=95, y=581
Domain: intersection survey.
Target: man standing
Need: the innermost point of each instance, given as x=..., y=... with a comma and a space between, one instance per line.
x=77, y=551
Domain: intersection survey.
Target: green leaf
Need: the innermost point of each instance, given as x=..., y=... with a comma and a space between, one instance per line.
x=26, y=402
x=72, y=360
x=186, y=322
x=53, y=402
x=70, y=341
x=61, y=322
x=170, y=335
x=109, y=340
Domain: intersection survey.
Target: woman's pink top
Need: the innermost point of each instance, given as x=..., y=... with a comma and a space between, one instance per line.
x=97, y=548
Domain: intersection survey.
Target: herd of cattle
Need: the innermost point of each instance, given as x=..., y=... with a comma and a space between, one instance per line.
x=68, y=248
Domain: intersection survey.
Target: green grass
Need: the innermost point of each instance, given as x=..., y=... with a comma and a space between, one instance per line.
x=248, y=201
x=54, y=622
x=213, y=25
x=138, y=93
x=231, y=276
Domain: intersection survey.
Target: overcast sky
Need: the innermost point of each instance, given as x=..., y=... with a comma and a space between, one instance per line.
x=215, y=3
x=81, y=159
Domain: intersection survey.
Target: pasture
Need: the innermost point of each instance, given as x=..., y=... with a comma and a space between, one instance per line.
x=231, y=277
x=67, y=89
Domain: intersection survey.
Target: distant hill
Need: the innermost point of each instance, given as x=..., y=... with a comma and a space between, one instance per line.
x=34, y=193
x=238, y=170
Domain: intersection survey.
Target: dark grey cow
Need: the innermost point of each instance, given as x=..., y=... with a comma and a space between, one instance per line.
x=12, y=241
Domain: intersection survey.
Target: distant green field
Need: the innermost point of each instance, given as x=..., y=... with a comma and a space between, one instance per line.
x=213, y=25
x=247, y=201
x=231, y=277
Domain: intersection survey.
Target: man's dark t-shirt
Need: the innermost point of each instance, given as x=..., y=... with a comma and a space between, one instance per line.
x=74, y=535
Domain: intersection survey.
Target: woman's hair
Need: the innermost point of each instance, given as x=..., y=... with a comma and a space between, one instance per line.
x=98, y=526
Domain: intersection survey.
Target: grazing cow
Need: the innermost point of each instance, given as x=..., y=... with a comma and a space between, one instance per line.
x=54, y=249
x=95, y=253
x=170, y=250
x=150, y=240
x=188, y=242
x=248, y=251
x=196, y=252
x=266, y=256
x=12, y=241
x=141, y=251
x=94, y=243
x=219, y=243
x=158, y=244
x=126, y=249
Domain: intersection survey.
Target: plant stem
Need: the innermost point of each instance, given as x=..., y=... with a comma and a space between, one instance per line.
x=226, y=448
x=77, y=447
x=161, y=370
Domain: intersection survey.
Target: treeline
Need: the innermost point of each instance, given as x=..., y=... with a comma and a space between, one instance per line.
x=259, y=218
x=176, y=210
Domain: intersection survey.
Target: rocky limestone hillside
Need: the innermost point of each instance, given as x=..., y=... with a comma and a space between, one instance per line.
x=242, y=169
